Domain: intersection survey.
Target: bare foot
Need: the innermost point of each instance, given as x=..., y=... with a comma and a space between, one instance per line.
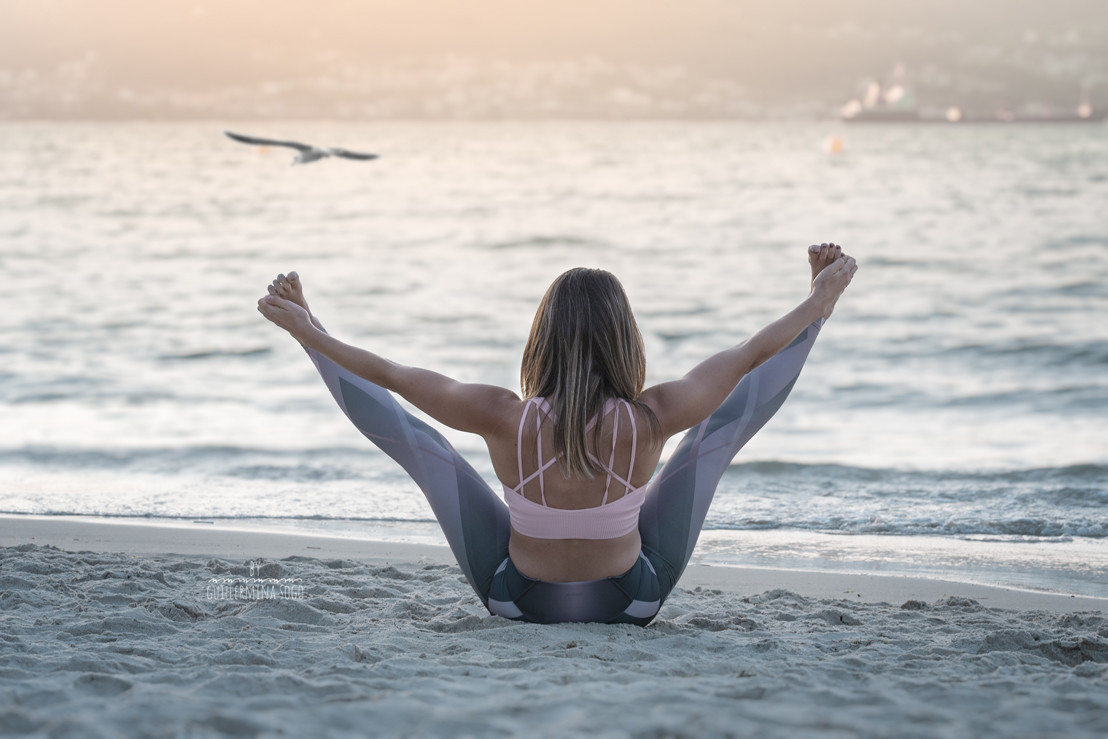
x=822, y=255
x=289, y=288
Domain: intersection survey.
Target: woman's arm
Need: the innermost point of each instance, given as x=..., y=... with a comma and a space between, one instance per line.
x=475, y=408
x=681, y=404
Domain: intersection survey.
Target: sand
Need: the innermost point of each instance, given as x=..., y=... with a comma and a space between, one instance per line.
x=113, y=629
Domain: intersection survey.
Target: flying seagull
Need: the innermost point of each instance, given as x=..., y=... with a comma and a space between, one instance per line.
x=307, y=153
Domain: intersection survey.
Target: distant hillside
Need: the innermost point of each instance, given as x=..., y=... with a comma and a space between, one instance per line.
x=541, y=58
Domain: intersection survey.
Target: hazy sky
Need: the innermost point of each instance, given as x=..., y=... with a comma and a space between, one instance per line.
x=96, y=53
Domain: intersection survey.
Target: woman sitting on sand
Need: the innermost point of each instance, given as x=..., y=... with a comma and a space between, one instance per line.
x=596, y=539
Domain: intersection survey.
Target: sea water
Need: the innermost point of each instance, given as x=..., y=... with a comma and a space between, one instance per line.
x=951, y=420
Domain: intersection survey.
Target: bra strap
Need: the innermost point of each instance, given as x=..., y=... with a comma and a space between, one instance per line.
x=543, y=466
x=634, y=445
x=538, y=452
x=519, y=454
x=519, y=444
x=612, y=457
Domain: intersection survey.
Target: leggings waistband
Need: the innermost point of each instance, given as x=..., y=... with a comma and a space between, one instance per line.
x=633, y=597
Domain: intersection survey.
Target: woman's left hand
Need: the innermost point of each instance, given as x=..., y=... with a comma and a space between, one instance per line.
x=286, y=314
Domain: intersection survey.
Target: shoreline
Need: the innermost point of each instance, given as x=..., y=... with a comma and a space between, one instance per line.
x=215, y=539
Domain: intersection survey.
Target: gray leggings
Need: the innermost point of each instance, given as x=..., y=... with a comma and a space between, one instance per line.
x=475, y=520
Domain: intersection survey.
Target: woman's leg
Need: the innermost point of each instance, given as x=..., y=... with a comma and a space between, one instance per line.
x=678, y=498
x=473, y=518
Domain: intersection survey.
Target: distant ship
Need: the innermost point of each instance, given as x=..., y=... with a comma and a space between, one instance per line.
x=896, y=103
x=892, y=103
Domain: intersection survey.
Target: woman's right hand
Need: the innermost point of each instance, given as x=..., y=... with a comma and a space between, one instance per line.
x=286, y=314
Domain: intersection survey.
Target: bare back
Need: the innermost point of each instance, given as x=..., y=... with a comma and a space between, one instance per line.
x=568, y=560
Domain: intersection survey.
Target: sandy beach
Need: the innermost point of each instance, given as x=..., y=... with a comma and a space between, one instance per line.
x=131, y=629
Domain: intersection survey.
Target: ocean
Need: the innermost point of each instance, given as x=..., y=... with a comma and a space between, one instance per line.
x=950, y=422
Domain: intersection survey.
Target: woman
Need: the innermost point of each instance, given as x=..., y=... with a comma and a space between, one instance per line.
x=585, y=535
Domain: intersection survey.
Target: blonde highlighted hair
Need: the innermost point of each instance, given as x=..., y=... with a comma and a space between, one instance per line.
x=584, y=348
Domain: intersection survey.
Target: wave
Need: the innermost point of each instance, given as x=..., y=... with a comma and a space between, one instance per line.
x=241, y=462
x=1044, y=502
x=1090, y=472
x=204, y=517
x=218, y=353
x=1093, y=353
x=546, y=242
x=1072, y=481
x=233, y=482
x=1080, y=240
x=1024, y=528
x=1080, y=485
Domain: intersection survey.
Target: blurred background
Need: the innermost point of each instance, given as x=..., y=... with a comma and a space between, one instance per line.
x=495, y=59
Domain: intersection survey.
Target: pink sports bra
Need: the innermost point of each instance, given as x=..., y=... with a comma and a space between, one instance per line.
x=605, y=521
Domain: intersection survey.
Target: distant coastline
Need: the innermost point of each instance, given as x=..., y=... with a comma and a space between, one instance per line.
x=911, y=117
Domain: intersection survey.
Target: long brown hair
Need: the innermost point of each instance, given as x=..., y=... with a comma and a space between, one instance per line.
x=584, y=348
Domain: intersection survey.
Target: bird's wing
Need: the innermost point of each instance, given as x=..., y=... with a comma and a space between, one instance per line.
x=349, y=154
x=265, y=142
